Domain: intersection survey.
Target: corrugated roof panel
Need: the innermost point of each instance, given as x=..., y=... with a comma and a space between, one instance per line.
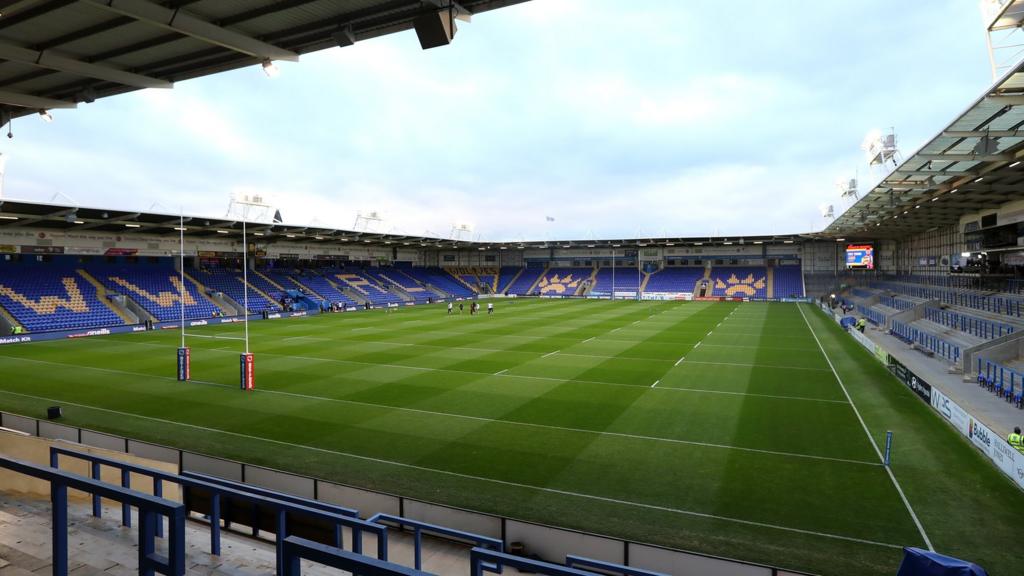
x=169, y=51
x=64, y=20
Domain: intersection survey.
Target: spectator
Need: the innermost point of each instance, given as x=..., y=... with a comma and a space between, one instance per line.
x=1016, y=440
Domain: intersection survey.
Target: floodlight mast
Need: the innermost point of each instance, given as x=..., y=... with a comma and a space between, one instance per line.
x=1002, y=34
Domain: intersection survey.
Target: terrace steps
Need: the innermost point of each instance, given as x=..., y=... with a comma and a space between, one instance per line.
x=269, y=280
x=254, y=289
x=585, y=287
x=643, y=283
x=8, y=317
x=203, y=290
x=770, y=281
x=306, y=287
x=101, y=295
x=355, y=294
x=458, y=278
x=511, y=281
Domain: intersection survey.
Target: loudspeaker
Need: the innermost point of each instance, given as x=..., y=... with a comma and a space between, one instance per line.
x=435, y=29
x=53, y=412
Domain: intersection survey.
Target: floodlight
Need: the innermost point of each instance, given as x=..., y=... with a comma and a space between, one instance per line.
x=1015, y=164
x=46, y=116
x=133, y=225
x=270, y=69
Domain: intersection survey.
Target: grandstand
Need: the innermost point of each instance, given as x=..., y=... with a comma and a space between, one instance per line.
x=679, y=404
x=43, y=298
x=157, y=289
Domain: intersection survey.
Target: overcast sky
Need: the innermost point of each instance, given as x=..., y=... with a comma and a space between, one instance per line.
x=616, y=119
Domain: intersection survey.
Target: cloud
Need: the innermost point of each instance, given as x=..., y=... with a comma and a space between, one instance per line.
x=650, y=118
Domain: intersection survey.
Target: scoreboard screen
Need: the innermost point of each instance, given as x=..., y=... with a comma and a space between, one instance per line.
x=860, y=256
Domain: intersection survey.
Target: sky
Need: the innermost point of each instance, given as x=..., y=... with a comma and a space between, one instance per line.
x=617, y=120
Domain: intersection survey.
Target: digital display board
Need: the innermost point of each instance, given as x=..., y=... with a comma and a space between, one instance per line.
x=860, y=256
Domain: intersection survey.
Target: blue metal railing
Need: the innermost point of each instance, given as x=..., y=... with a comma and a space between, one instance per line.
x=979, y=327
x=1006, y=383
x=1010, y=306
x=420, y=527
x=325, y=506
x=151, y=511
x=896, y=303
x=874, y=316
x=925, y=340
x=296, y=549
x=219, y=492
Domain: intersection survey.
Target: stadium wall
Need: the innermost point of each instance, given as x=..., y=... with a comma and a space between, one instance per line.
x=548, y=541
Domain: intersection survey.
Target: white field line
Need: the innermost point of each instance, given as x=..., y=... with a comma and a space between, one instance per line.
x=500, y=372
x=874, y=445
x=679, y=361
x=490, y=420
x=695, y=345
x=588, y=339
x=550, y=354
x=655, y=383
x=472, y=477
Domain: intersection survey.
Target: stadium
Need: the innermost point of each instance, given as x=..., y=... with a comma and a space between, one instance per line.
x=243, y=393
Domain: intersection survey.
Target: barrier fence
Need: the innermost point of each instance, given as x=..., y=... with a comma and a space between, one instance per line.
x=925, y=340
x=979, y=327
x=874, y=316
x=896, y=303
x=988, y=303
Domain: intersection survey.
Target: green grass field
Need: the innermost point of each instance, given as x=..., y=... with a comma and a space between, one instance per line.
x=716, y=427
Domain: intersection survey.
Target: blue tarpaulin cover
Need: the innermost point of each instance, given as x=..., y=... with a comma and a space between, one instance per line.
x=847, y=321
x=917, y=562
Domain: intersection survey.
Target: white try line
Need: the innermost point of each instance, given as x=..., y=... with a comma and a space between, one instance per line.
x=550, y=354
x=678, y=362
x=469, y=476
x=588, y=339
x=874, y=445
x=655, y=383
x=500, y=372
